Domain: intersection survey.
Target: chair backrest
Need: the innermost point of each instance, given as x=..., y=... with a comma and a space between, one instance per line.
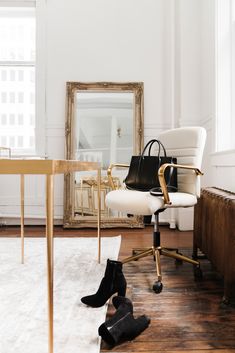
x=187, y=144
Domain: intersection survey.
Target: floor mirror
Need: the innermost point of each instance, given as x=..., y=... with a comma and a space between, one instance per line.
x=104, y=123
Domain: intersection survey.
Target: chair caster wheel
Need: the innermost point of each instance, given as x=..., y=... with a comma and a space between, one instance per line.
x=197, y=272
x=225, y=302
x=157, y=287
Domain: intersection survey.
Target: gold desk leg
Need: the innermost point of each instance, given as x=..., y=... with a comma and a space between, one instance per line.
x=99, y=212
x=49, y=236
x=22, y=216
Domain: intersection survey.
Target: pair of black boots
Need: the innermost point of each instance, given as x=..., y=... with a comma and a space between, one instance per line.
x=122, y=326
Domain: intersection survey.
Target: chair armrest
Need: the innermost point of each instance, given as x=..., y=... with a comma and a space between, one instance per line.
x=162, y=180
x=109, y=172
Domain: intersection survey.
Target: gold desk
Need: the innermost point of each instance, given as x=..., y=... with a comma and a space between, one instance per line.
x=48, y=168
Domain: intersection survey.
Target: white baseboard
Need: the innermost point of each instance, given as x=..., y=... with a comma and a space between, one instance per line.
x=167, y=217
x=15, y=221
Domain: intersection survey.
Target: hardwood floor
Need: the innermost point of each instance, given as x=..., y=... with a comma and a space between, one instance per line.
x=187, y=316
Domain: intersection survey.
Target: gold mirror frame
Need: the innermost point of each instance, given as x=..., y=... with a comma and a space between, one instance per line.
x=70, y=221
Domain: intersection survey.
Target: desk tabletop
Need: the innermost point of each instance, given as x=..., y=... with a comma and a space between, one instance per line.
x=44, y=166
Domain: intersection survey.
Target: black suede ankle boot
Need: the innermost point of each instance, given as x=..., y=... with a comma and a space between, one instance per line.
x=122, y=304
x=112, y=282
x=122, y=326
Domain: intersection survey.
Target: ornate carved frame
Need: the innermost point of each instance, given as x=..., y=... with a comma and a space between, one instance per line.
x=70, y=221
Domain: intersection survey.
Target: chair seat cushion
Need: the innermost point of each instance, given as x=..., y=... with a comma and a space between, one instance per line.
x=142, y=203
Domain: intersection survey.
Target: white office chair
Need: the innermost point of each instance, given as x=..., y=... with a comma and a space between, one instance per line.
x=187, y=145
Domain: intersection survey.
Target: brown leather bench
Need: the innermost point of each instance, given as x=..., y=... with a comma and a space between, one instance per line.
x=214, y=234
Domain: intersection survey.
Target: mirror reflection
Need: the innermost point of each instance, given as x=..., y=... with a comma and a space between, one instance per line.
x=104, y=127
x=104, y=124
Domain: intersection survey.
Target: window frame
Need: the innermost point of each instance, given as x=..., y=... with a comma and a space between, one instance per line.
x=40, y=72
x=225, y=76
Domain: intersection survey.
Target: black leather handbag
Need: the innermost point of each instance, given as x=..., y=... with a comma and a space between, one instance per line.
x=143, y=170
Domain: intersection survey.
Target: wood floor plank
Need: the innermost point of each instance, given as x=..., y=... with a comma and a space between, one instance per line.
x=187, y=317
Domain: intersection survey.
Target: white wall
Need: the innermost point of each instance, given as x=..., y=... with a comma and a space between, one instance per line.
x=197, y=69
x=188, y=78
x=167, y=44
x=197, y=86
x=219, y=167
x=108, y=41
x=104, y=40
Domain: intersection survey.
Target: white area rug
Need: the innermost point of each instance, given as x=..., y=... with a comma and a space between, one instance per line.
x=23, y=294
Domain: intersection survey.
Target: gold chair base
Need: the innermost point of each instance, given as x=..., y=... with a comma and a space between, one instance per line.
x=156, y=252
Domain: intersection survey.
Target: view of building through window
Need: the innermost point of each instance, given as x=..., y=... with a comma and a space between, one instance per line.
x=17, y=79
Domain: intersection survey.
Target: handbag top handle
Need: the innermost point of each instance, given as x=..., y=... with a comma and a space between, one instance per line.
x=150, y=144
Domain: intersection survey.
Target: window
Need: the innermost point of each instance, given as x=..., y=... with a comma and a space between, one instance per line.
x=225, y=75
x=17, y=78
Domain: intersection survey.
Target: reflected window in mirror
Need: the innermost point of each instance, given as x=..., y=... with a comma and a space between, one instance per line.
x=104, y=127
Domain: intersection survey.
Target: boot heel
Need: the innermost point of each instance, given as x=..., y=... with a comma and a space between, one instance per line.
x=122, y=291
